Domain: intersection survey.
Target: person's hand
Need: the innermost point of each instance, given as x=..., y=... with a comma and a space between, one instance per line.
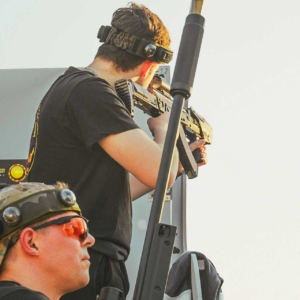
x=193, y=146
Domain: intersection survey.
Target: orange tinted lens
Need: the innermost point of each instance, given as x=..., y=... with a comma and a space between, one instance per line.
x=76, y=227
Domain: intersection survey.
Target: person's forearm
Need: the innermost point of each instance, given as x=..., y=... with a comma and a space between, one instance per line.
x=137, y=189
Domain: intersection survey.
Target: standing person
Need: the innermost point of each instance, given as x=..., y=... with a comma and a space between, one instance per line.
x=84, y=135
x=43, y=242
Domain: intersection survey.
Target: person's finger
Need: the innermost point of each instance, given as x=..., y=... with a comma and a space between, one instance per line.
x=197, y=144
x=204, y=162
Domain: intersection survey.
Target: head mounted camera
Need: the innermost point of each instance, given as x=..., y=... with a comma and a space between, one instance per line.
x=134, y=45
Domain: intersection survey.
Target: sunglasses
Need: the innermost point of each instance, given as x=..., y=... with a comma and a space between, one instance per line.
x=73, y=226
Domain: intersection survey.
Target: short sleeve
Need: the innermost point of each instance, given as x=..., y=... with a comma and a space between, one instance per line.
x=97, y=111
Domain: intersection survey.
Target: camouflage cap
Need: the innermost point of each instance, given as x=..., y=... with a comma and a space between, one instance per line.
x=23, y=204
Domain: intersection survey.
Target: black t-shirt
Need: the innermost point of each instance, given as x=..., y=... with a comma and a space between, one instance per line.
x=79, y=110
x=10, y=290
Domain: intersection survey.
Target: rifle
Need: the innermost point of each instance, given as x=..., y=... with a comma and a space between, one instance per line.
x=157, y=100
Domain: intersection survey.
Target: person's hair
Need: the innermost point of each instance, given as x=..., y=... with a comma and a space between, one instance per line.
x=10, y=253
x=61, y=185
x=140, y=21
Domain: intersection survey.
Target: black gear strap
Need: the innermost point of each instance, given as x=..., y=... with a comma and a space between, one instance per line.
x=134, y=45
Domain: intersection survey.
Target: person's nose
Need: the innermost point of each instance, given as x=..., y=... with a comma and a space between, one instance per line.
x=89, y=241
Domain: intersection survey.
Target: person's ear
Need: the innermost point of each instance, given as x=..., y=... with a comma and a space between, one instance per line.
x=146, y=66
x=28, y=240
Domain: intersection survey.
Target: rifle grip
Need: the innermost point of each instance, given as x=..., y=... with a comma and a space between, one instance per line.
x=197, y=156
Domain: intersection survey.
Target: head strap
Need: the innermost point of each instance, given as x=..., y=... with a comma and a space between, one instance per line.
x=137, y=46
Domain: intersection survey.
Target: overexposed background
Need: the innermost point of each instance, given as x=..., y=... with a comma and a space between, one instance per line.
x=243, y=208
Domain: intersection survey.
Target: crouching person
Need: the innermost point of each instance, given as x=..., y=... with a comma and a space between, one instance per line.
x=43, y=242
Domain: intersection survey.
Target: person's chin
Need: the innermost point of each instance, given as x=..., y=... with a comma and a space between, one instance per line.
x=84, y=280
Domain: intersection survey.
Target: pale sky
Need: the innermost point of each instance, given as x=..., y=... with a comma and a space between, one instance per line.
x=243, y=208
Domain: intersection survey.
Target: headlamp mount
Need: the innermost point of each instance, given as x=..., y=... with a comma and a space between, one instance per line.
x=137, y=46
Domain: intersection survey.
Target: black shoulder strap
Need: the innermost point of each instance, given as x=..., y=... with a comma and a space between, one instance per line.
x=123, y=92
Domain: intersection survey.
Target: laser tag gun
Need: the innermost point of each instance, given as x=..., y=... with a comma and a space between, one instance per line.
x=157, y=100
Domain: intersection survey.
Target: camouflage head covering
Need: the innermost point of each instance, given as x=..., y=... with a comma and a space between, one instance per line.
x=27, y=203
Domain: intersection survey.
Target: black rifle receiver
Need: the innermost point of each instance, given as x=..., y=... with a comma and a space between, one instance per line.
x=157, y=100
